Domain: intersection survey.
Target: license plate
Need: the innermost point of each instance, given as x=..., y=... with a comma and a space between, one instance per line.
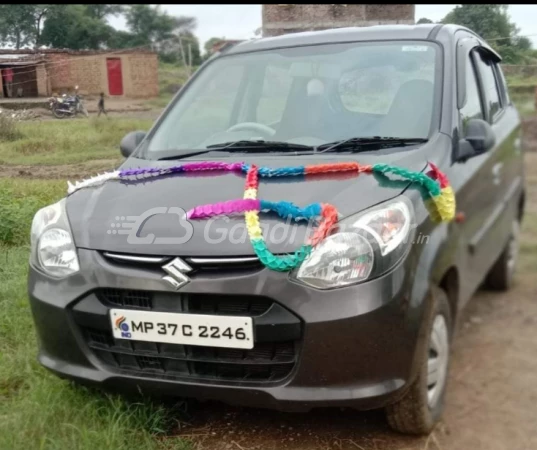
x=179, y=328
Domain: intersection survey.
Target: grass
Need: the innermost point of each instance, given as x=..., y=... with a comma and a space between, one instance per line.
x=37, y=409
x=8, y=128
x=68, y=141
x=19, y=201
x=525, y=104
x=517, y=80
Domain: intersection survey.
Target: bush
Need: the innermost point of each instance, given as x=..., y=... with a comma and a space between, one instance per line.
x=15, y=215
x=19, y=201
x=9, y=129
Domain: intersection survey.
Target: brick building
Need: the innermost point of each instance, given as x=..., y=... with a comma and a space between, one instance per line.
x=39, y=73
x=282, y=19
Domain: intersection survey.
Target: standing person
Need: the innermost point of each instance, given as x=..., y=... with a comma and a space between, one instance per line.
x=8, y=79
x=101, y=106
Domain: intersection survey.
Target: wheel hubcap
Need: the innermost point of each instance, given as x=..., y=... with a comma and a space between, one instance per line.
x=438, y=360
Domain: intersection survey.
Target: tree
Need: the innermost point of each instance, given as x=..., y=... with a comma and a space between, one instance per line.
x=424, y=20
x=103, y=11
x=208, y=47
x=168, y=35
x=151, y=25
x=20, y=25
x=492, y=23
x=122, y=39
x=182, y=49
x=71, y=26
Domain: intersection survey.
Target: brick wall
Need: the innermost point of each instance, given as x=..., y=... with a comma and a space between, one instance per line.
x=59, y=72
x=140, y=75
x=90, y=73
x=42, y=80
x=281, y=19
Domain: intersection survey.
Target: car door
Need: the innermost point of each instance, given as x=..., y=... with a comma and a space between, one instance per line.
x=503, y=180
x=482, y=179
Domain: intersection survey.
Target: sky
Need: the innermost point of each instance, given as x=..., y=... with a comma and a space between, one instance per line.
x=241, y=21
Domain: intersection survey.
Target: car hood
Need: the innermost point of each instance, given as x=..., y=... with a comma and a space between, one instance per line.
x=146, y=216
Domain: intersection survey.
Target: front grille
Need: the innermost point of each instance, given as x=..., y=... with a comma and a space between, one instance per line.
x=125, y=298
x=272, y=358
x=193, y=303
x=265, y=362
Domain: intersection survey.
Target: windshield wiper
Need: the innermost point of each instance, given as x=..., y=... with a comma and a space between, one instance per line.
x=355, y=144
x=245, y=144
x=241, y=147
x=365, y=143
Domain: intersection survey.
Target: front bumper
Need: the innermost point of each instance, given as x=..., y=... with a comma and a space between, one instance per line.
x=352, y=347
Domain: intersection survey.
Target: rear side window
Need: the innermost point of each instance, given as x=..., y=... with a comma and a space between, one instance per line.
x=490, y=87
x=472, y=109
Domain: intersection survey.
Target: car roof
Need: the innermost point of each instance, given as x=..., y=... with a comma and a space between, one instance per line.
x=335, y=35
x=353, y=34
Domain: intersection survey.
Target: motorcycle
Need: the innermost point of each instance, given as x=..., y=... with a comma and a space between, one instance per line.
x=65, y=106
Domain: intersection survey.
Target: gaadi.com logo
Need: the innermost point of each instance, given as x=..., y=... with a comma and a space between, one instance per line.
x=132, y=226
x=122, y=324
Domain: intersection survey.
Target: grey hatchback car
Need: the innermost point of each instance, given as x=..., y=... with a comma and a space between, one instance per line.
x=127, y=297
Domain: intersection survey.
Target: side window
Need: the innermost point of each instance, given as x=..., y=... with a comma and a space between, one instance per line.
x=472, y=109
x=503, y=85
x=490, y=87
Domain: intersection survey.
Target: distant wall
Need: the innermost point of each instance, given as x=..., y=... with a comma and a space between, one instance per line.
x=140, y=75
x=282, y=19
x=58, y=71
x=520, y=71
x=89, y=72
x=43, y=84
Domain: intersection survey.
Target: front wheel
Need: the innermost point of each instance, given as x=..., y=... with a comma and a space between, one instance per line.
x=423, y=404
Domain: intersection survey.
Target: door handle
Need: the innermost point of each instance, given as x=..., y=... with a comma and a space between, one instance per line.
x=497, y=173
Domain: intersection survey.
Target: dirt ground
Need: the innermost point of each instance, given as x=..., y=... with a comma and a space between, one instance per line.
x=491, y=402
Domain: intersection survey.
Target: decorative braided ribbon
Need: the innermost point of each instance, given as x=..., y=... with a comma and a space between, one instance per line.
x=440, y=199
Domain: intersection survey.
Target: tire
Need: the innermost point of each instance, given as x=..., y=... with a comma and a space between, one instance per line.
x=500, y=276
x=58, y=114
x=413, y=413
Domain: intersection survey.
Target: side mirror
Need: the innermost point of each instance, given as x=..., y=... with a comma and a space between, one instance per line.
x=130, y=142
x=479, y=139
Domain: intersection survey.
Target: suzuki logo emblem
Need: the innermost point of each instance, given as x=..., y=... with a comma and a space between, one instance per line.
x=176, y=270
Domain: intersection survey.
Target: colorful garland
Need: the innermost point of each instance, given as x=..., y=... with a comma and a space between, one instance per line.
x=438, y=195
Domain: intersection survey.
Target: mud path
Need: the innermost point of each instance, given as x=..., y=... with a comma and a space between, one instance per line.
x=61, y=172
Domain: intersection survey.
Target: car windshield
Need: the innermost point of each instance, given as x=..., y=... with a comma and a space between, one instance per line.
x=309, y=95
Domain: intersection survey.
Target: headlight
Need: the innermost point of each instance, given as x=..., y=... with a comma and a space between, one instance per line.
x=365, y=246
x=52, y=246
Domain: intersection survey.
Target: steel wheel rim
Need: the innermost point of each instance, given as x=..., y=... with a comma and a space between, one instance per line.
x=437, y=361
